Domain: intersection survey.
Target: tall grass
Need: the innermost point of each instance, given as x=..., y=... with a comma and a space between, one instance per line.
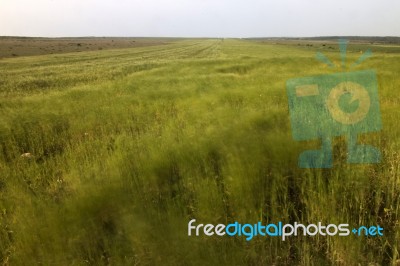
x=128, y=145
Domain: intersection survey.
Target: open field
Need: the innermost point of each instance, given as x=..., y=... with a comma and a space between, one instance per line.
x=128, y=145
x=26, y=46
x=356, y=44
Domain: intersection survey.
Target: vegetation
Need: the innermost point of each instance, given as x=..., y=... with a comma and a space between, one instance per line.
x=27, y=46
x=124, y=147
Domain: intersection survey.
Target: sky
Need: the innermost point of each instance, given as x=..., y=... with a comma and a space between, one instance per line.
x=199, y=18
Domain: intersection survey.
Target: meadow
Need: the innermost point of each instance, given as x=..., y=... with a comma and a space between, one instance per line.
x=126, y=146
x=27, y=46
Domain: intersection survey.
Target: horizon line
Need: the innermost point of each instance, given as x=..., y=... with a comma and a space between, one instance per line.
x=204, y=37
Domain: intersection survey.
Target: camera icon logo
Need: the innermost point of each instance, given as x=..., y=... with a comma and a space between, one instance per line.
x=340, y=104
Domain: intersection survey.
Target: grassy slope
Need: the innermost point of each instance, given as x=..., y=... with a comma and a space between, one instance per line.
x=129, y=145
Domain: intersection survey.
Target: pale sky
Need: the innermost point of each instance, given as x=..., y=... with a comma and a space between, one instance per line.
x=202, y=18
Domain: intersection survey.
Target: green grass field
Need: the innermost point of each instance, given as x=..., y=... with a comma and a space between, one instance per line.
x=127, y=146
